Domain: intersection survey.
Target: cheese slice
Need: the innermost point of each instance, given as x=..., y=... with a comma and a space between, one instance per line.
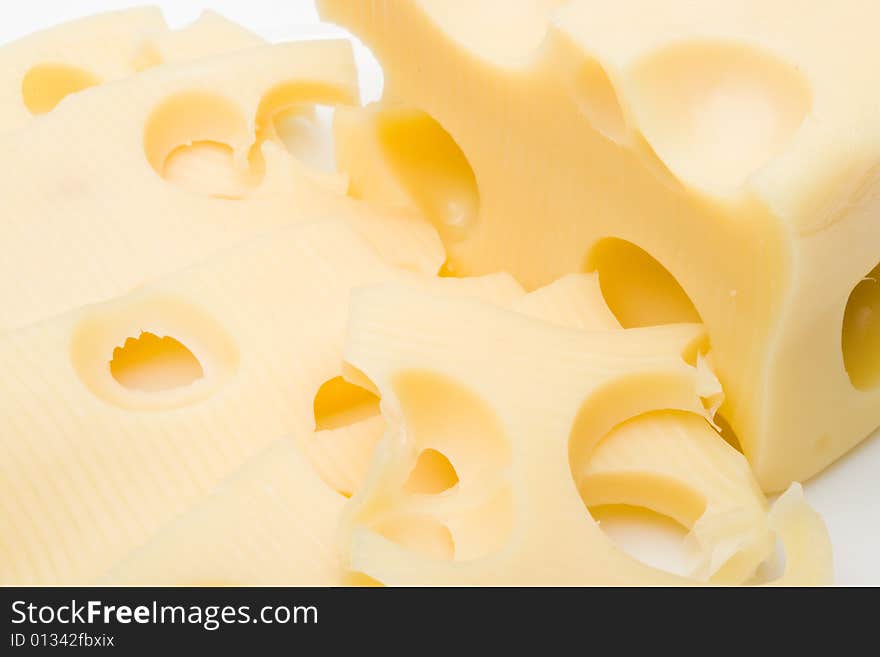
x=125, y=184
x=117, y=417
x=341, y=450
x=273, y=523
x=720, y=163
x=504, y=506
x=40, y=70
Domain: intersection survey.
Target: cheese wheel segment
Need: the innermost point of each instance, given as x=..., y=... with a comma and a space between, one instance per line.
x=117, y=417
x=40, y=70
x=99, y=166
x=754, y=185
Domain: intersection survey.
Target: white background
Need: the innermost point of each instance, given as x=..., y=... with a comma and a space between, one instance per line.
x=847, y=495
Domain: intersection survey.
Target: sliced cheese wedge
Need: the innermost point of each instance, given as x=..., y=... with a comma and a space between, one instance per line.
x=721, y=164
x=504, y=508
x=117, y=417
x=40, y=70
x=97, y=199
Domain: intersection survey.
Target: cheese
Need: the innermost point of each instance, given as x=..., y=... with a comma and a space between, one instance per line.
x=273, y=523
x=182, y=165
x=40, y=70
x=517, y=440
x=341, y=450
x=721, y=162
x=118, y=417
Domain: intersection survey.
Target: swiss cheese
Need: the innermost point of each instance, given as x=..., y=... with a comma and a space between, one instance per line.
x=40, y=70
x=99, y=450
x=141, y=177
x=516, y=438
x=730, y=149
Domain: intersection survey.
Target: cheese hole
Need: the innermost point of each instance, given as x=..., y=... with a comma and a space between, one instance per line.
x=339, y=403
x=150, y=363
x=861, y=333
x=190, y=141
x=444, y=416
x=432, y=169
x=432, y=474
x=717, y=113
x=727, y=432
x=421, y=534
x=46, y=85
x=208, y=168
x=637, y=288
x=307, y=133
x=648, y=537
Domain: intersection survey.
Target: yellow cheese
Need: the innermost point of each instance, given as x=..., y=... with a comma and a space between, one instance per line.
x=274, y=523
x=348, y=429
x=40, y=70
x=117, y=417
x=719, y=164
x=502, y=505
x=126, y=183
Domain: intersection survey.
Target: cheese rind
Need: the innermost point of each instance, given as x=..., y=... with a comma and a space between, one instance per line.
x=754, y=185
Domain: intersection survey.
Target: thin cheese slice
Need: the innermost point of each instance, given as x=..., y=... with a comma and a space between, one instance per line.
x=516, y=439
x=40, y=70
x=437, y=363
x=274, y=523
x=342, y=454
x=97, y=200
x=117, y=417
x=718, y=164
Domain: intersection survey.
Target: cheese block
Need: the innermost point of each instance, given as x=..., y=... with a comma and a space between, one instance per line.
x=117, y=417
x=720, y=164
x=40, y=70
x=503, y=506
x=141, y=177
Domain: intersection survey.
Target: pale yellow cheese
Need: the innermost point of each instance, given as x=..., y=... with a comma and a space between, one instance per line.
x=730, y=148
x=117, y=417
x=273, y=523
x=127, y=183
x=40, y=70
x=517, y=408
x=341, y=448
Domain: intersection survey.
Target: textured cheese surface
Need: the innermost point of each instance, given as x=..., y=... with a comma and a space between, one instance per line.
x=125, y=182
x=754, y=186
x=517, y=439
x=98, y=454
x=275, y=521
x=40, y=70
